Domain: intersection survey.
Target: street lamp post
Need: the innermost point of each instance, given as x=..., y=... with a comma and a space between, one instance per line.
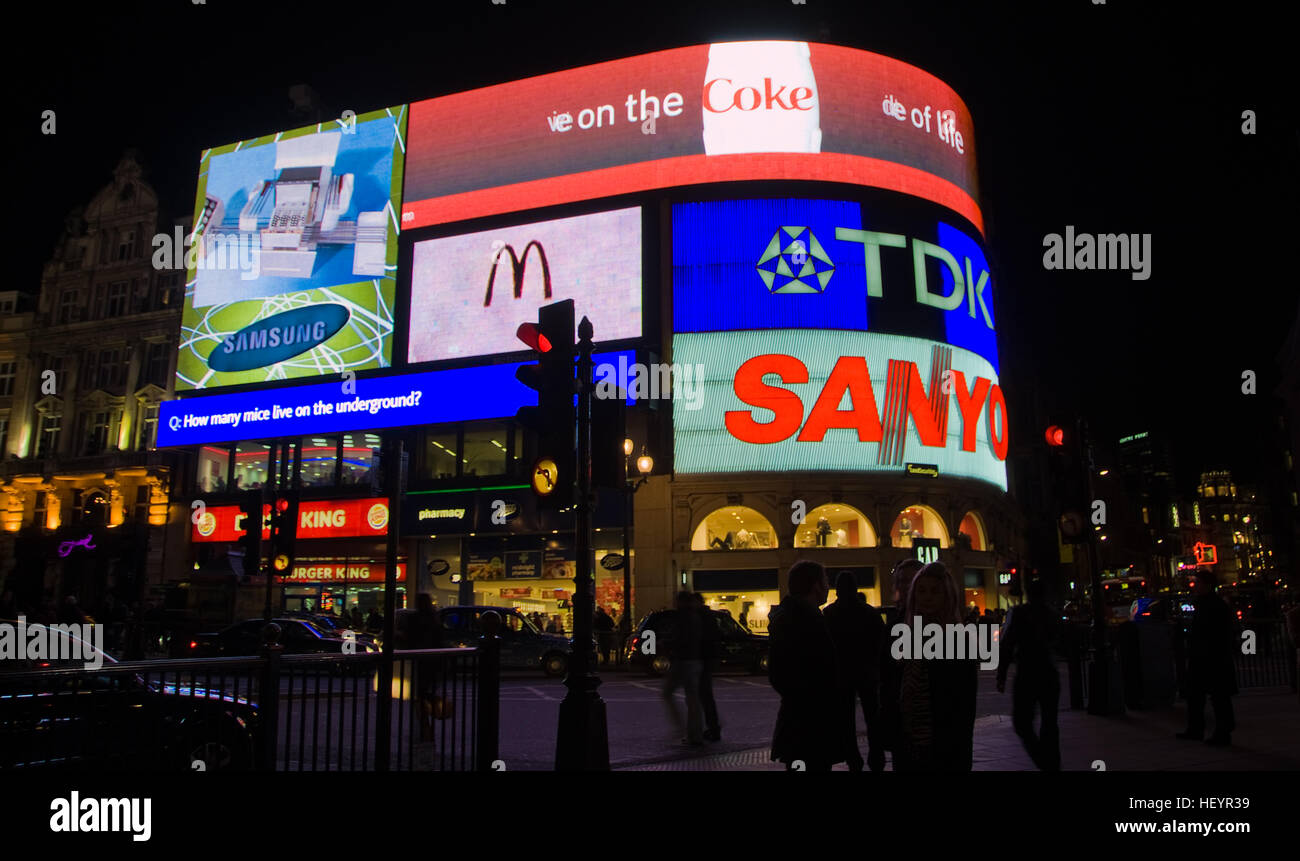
x=644, y=465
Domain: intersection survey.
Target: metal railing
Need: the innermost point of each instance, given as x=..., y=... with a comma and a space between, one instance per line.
x=270, y=712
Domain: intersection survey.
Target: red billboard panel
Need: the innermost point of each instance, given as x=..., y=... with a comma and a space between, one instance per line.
x=731, y=111
x=317, y=518
x=334, y=572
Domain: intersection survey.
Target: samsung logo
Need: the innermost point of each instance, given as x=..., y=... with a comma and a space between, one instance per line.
x=278, y=337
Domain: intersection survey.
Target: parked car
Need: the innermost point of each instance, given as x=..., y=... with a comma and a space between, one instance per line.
x=332, y=626
x=298, y=636
x=739, y=647
x=113, y=721
x=523, y=646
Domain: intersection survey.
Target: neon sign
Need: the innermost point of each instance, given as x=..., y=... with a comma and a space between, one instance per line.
x=68, y=546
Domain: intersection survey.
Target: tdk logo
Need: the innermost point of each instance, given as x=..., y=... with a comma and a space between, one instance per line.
x=278, y=337
x=795, y=262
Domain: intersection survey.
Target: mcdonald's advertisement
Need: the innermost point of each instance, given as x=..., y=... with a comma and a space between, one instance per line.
x=806, y=400
x=292, y=265
x=470, y=292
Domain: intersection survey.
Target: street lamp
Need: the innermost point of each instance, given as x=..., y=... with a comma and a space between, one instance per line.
x=645, y=464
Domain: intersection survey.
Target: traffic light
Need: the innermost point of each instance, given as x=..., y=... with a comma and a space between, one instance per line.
x=608, y=430
x=554, y=420
x=250, y=507
x=284, y=531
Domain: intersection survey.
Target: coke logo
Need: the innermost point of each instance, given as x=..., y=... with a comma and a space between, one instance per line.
x=752, y=99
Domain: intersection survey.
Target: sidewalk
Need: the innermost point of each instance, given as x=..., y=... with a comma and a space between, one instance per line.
x=1267, y=739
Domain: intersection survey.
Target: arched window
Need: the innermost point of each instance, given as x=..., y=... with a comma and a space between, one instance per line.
x=972, y=526
x=835, y=525
x=918, y=521
x=734, y=527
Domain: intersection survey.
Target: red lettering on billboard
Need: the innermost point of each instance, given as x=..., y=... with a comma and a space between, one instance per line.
x=767, y=100
x=751, y=389
x=849, y=375
x=969, y=404
x=997, y=403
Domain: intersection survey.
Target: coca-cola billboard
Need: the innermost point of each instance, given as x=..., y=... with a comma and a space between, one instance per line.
x=731, y=111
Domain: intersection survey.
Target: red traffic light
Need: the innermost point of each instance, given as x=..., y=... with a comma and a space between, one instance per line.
x=1055, y=436
x=533, y=337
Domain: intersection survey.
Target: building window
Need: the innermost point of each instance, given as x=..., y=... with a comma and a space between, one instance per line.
x=95, y=430
x=1146, y=515
x=68, y=308
x=214, y=463
x=918, y=521
x=7, y=372
x=148, y=426
x=440, y=455
x=6, y=306
x=1173, y=515
x=117, y=292
x=252, y=465
x=835, y=525
x=486, y=450
x=125, y=244
x=42, y=505
x=360, y=458
x=142, y=504
x=157, y=360
x=111, y=368
x=4, y=435
x=319, y=461
x=1196, y=513
x=48, y=438
x=734, y=527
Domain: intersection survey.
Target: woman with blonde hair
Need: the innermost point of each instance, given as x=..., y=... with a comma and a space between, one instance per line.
x=937, y=700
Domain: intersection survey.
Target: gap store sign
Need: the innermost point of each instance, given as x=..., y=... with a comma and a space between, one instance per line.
x=798, y=400
x=885, y=264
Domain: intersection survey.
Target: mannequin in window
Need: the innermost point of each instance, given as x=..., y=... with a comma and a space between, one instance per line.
x=841, y=538
x=823, y=531
x=723, y=543
x=743, y=539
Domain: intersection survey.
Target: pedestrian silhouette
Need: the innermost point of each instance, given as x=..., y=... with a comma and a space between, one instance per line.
x=802, y=670
x=603, y=625
x=937, y=700
x=685, y=646
x=1028, y=639
x=889, y=725
x=710, y=646
x=1210, y=669
x=856, y=631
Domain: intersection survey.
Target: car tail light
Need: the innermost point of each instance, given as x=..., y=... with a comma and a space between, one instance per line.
x=194, y=644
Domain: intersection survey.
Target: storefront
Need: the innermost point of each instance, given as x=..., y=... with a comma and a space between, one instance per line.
x=339, y=586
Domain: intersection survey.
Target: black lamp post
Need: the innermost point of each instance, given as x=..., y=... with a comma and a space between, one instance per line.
x=644, y=465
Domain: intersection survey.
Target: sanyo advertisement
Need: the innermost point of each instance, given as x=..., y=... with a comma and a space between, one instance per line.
x=799, y=400
x=470, y=292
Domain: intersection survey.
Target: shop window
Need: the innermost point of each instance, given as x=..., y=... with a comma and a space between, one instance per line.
x=973, y=528
x=918, y=521
x=360, y=458
x=252, y=465
x=734, y=527
x=440, y=455
x=486, y=450
x=213, y=466
x=835, y=525
x=319, y=461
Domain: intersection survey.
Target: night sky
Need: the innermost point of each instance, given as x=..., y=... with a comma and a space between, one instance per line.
x=1107, y=117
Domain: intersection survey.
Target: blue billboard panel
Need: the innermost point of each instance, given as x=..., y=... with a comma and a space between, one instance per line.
x=434, y=397
x=792, y=263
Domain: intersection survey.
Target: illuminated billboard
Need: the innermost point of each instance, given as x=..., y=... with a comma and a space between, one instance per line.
x=404, y=400
x=317, y=518
x=295, y=255
x=470, y=292
x=798, y=400
x=885, y=266
x=730, y=111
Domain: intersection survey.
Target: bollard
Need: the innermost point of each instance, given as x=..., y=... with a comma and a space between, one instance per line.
x=268, y=710
x=487, y=732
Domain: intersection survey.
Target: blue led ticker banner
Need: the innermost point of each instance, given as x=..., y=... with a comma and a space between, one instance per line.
x=433, y=397
x=789, y=263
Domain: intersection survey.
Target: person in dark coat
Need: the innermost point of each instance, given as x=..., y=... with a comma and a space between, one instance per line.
x=1210, y=669
x=856, y=630
x=1028, y=639
x=684, y=650
x=937, y=700
x=801, y=669
x=603, y=625
x=889, y=726
x=710, y=649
